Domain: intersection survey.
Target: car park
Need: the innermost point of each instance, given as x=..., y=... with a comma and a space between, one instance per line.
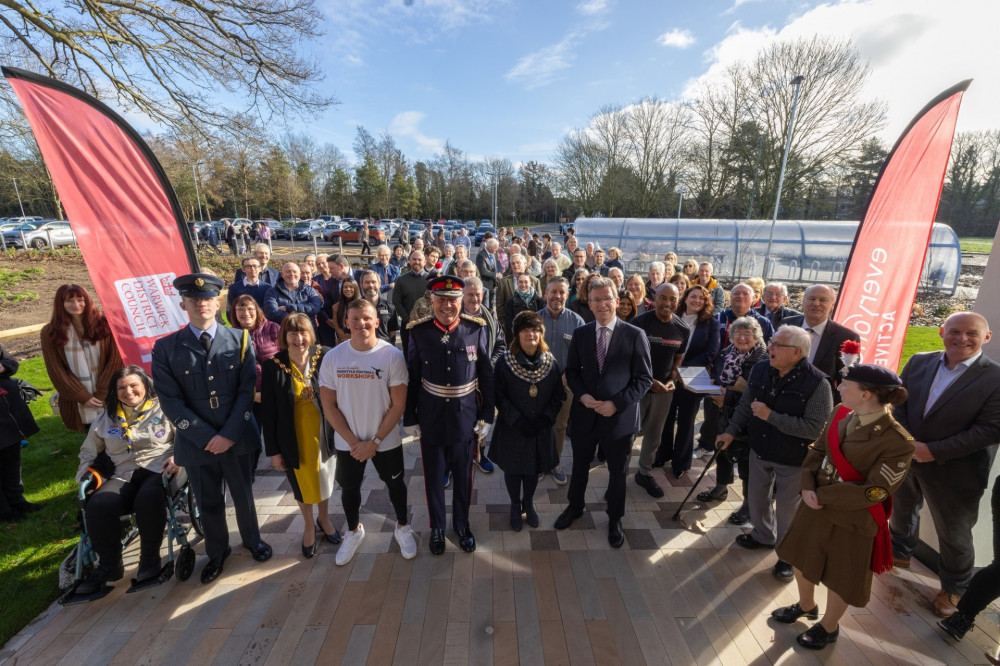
x=350, y=235
x=481, y=231
x=40, y=235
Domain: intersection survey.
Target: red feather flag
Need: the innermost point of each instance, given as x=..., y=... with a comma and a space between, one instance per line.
x=124, y=212
x=883, y=269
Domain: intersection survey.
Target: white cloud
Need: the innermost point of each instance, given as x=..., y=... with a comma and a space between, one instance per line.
x=736, y=5
x=407, y=124
x=916, y=49
x=540, y=68
x=591, y=7
x=678, y=38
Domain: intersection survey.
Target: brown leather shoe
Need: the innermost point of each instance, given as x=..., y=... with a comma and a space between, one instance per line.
x=901, y=562
x=944, y=604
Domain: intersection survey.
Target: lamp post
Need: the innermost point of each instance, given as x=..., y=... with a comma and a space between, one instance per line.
x=197, y=191
x=680, y=201
x=18, y=193
x=781, y=175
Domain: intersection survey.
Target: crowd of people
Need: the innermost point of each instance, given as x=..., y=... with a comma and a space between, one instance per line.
x=543, y=340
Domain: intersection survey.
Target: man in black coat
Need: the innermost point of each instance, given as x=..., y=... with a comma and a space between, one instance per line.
x=826, y=335
x=775, y=304
x=205, y=375
x=410, y=288
x=953, y=413
x=608, y=369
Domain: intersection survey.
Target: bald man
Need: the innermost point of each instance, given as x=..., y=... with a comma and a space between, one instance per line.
x=826, y=335
x=953, y=413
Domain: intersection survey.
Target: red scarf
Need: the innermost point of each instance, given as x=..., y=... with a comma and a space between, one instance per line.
x=882, y=545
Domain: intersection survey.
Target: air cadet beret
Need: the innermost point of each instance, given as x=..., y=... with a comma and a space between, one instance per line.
x=199, y=285
x=448, y=286
x=872, y=375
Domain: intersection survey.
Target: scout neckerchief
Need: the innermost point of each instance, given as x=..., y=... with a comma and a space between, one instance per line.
x=125, y=424
x=880, y=512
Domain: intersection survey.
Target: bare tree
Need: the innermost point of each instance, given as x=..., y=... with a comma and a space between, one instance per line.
x=159, y=58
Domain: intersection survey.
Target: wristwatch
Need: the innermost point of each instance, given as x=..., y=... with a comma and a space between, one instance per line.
x=376, y=440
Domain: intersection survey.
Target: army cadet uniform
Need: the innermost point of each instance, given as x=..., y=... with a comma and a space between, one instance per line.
x=450, y=390
x=834, y=545
x=207, y=393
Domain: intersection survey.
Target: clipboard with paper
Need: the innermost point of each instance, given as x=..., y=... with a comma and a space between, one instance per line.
x=697, y=380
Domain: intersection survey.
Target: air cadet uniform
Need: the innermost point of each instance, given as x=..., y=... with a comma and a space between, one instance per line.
x=207, y=393
x=450, y=390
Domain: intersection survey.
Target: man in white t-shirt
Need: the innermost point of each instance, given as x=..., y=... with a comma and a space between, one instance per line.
x=363, y=389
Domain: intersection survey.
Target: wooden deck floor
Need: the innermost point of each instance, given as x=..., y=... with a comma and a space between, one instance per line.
x=671, y=596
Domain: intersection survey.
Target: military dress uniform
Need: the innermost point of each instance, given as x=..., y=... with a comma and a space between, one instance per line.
x=450, y=390
x=208, y=393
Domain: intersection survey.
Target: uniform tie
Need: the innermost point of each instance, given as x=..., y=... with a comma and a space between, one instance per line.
x=602, y=347
x=206, y=341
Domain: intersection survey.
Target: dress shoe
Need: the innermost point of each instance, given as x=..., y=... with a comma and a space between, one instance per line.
x=466, y=540
x=516, y=522
x=789, y=614
x=334, y=538
x=716, y=494
x=739, y=519
x=748, y=542
x=530, y=515
x=213, y=569
x=816, y=637
x=783, y=571
x=649, y=483
x=261, y=552
x=679, y=475
x=944, y=604
x=309, y=551
x=615, y=535
x=437, y=542
x=567, y=517
x=958, y=624
x=901, y=562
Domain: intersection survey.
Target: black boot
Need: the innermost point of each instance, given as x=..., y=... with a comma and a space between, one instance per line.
x=100, y=576
x=149, y=567
x=958, y=624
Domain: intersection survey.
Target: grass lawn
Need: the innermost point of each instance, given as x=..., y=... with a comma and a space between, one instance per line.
x=30, y=552
x=973, y=244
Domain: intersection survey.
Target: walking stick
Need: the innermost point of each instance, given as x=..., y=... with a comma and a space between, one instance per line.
x=677, y=516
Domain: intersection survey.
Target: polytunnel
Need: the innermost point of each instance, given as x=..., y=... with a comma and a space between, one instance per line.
x=804, y=251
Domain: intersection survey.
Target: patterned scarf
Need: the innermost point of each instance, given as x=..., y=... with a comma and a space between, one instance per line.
x=125, y=424
x=84, y=360
x=732, y=365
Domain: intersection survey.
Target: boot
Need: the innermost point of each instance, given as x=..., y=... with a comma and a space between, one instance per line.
x=149, y=567
x=100, y=576
x=958, y=624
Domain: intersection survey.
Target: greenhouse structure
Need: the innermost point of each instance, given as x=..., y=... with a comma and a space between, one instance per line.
x=802, y=251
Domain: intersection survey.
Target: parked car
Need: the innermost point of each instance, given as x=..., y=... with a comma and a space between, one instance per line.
x=481, y=231
x=303, y=231
x=350, y=235
x=40, y=235
x=328, y=218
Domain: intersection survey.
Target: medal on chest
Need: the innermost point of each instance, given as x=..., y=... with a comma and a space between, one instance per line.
x=533, y=391
x=445, y=338
x=308, y=393
x=472, y=353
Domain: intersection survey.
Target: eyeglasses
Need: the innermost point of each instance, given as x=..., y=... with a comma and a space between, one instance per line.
x=602, y=300
x=772, y=343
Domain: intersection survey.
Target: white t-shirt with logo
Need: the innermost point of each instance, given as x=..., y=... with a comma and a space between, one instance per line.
x=362, y=380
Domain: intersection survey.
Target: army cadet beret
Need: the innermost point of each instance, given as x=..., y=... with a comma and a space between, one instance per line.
x=872, y=375
x=199, y=285
x=448, y=286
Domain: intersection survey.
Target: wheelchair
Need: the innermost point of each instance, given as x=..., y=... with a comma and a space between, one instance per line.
x=180, y=555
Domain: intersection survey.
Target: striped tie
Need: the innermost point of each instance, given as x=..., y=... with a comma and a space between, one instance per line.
x=602, y=347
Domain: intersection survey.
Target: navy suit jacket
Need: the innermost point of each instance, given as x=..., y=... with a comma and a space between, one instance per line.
x=206, y=394
x=704, y=344
x=627, y=375
x=962, y=428
x=779, y=316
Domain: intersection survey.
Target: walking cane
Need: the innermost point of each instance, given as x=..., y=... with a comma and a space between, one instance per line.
x=677, y=516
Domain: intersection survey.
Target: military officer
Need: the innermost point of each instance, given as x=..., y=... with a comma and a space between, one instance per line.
x=449, y=403
x=205, y=375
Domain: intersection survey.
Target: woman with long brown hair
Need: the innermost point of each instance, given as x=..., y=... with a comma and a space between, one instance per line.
x=80, y=356
x=349, y=291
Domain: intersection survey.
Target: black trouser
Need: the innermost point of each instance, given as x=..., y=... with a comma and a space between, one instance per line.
x=365, y=247
x=985, y=585
x=616, y=453
x=404, y=338
x=207, y=484
x=678, y=448
x=11, y=488
x=515, y=483
x=351, y=472
x=142, y=495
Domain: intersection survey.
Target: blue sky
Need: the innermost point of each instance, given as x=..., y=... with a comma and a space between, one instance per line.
x=509, y=78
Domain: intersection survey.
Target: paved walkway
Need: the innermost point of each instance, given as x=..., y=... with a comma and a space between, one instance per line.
x=671, y=596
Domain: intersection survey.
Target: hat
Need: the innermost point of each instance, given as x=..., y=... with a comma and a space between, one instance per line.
x=526, y=320
x=199, y=285
x=447, y=286
x=872, y=375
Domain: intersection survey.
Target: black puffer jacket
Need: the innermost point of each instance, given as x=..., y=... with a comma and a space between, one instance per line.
x=16, y=421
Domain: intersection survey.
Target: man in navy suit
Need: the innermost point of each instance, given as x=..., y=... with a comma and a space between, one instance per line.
x=953, y=413
x=825, y=334
x=608, y=369
x=489, y=267
x=205, y=376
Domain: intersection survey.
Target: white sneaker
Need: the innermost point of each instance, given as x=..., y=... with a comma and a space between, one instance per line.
x=407, y=544
x=349, y=545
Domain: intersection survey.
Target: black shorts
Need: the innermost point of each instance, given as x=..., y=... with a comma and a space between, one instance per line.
x=351, y=472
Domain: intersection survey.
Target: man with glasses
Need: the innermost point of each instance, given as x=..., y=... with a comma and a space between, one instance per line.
x=249, y=284
x=783, y=410
x=740, y=302
x=826, y=335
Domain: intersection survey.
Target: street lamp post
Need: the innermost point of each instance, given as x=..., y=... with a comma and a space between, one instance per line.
x=18, y=193
x=197, y=191
x=781, y=175
x=680, y=201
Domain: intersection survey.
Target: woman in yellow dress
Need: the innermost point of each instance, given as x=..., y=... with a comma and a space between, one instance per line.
x=296, y=436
